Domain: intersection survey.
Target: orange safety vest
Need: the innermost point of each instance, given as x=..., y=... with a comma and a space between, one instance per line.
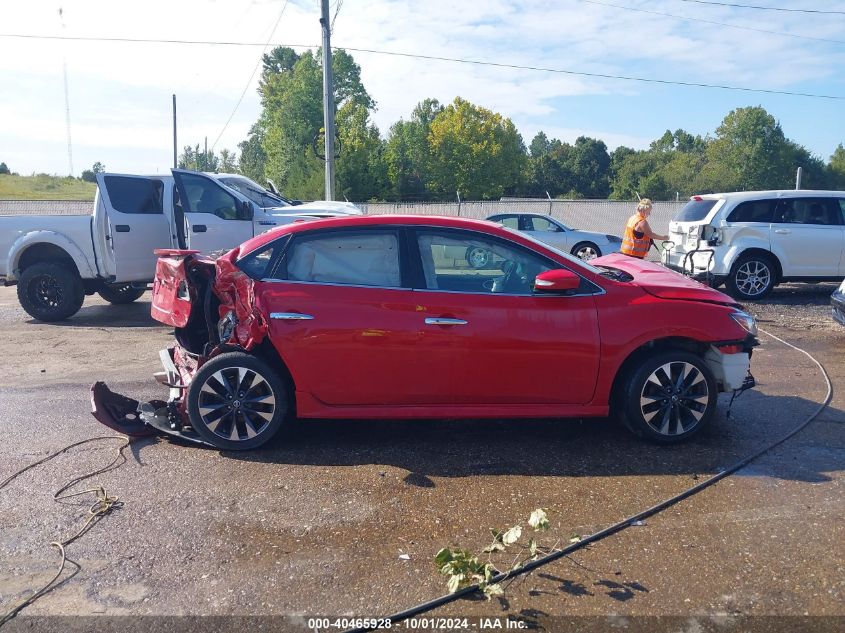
x=631, y=244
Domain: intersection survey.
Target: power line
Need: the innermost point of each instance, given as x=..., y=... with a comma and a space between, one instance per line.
x=254, y=70
x=762, y=8
x=457, y=60
x=731, y=26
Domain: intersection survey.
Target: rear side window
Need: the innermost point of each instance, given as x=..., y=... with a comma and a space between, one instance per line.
x=362, y=258
x=135, y=195
x=753, y=211
x=510, y=221
x=262, y=263
x=695, y=210
x=820, y=211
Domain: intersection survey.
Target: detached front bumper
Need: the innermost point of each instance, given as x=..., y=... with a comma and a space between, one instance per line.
x=143, y=419
x=837, y=300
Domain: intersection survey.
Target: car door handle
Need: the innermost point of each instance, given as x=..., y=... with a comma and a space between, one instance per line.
x=267, y=223
x=444, y=321
x=782, y=231
x=122, y=228
x=199, y=228
x=291, y=316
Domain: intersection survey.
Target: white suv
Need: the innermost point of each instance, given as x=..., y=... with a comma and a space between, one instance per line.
x=752, y=241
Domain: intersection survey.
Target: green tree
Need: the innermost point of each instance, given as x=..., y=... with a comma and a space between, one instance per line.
x=253, y=157
x=836, y=168
x=4, y=169
x=475, y=151
x=98, y=168
x=589, y=163
x=292, y=116
x=361, y=170
x=408, y=154
x=750, y=152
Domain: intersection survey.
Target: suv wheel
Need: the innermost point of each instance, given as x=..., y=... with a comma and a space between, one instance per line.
x=237, y=402
x=50, y=291
x=752, y=277
x=669, y=397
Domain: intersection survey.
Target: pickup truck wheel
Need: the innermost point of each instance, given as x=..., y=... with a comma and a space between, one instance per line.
x=751, y=277
x=669, y=397
x=50, y=291
x=237, y=402
x=125, y=293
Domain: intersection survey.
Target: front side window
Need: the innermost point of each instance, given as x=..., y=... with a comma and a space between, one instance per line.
x=759, y=211
x=206, y=196
x=254, y=192
x=463, y=261
x=362, y=258
x=541, y=224
x=822, y=211
x=135, y=195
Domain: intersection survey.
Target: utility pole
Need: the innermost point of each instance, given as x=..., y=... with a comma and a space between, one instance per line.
x=328, y=99
x=175, y=162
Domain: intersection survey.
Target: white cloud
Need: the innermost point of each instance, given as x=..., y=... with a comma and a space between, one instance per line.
x=120, y=92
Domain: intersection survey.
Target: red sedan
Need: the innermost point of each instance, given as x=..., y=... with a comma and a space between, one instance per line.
x=384, y=317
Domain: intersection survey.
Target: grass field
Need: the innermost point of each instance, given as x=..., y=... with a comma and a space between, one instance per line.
x=43, y=187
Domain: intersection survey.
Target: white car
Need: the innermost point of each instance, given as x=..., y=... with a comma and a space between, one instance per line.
x=585, y=245
x=754, y=240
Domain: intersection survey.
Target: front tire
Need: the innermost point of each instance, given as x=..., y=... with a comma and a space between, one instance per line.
x=121, y=294
x=752, y=277
x=50, y=291
x=237, y=402
x=669, y=397
x=586, y=251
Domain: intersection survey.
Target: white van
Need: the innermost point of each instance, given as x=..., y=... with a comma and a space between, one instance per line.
x=752, y=241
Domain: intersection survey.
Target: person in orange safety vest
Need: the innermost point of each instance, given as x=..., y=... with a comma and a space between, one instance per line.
x=638, y=233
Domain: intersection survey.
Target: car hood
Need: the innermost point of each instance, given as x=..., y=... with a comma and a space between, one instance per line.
x=661, y=282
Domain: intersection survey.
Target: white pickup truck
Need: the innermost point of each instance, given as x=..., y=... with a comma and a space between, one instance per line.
x=57, y=260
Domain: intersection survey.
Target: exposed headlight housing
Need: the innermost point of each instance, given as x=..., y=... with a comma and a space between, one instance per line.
x=745, y=321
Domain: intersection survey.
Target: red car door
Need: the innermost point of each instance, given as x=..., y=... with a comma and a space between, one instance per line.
x=504, y=343
x=342, y=320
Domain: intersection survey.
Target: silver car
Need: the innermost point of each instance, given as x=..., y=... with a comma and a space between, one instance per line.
x=585, y=245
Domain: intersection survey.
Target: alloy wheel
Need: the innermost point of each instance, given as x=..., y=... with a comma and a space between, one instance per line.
x=236, y=403
x=753, y=278
x=478, y=257
x=586, y=253
x=674, y=398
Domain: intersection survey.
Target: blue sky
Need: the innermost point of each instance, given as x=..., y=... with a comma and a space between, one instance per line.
x=120, y=106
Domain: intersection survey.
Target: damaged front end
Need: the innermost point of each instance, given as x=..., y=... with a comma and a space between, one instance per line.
x=211, y=305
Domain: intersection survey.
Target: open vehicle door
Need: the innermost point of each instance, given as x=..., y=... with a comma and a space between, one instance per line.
x=136, y=224
x=216, y=217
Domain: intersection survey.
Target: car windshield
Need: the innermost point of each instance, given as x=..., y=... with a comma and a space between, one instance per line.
x=566, y=256
x=255, y=192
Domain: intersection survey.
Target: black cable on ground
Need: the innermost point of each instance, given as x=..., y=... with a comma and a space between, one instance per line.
x=103, y=504
x=625, y=523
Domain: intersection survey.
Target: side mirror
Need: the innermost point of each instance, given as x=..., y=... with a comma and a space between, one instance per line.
x=246, y=210
x=558, y=280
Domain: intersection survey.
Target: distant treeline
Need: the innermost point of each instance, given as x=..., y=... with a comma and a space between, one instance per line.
x=442, y=150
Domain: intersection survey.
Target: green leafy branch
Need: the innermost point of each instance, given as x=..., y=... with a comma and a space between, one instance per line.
x=463, y=568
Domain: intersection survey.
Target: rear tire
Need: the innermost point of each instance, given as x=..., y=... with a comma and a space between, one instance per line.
x=752, y=277
x=237, y=402
x=50, y=291
x=477, y=257
x=121, y=294
x=668, y=398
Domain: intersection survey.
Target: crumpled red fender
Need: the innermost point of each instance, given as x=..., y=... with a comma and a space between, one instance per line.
x=236, y=291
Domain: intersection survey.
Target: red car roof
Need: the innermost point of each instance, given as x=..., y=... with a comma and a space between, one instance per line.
x=370, y=220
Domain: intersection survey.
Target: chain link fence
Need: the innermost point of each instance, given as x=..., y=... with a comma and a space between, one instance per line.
x=602, y=216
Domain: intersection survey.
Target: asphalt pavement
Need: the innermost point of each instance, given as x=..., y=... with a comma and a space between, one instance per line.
x=343, y=518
